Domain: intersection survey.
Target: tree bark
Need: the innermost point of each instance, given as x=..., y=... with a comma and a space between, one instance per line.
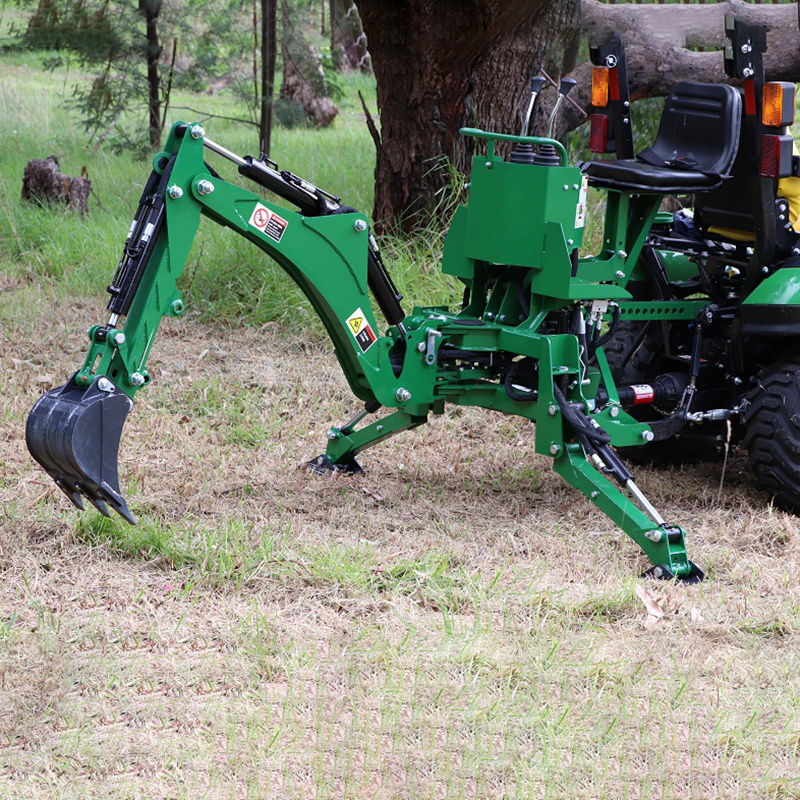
x=269, y=44
x=151, y=9
x=443, y=64
x=43, y=182
x=348, y=41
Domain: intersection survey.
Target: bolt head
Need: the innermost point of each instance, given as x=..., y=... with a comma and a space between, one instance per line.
x=747, y=72
x=175, y=192
x=118, y=338
x=648, y=436
x=379, y=428
x=136, y=379
x=403, y=395
x=359, y=226
x=594, y=495
x=555, y=449
x=197, y=132
x=421, y=347
x=658, y=572
x=204, y=187
x=105, y=385
x=654, y=536
x=613, y=411
x=332, y=434
x=552, y=409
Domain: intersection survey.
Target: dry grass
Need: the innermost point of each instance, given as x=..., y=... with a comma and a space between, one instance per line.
x=456, y=623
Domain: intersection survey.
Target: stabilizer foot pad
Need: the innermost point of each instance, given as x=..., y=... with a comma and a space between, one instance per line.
x=322, y=465
x=662, y=573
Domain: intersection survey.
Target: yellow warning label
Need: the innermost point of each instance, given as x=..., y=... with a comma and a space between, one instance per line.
x=362, y=330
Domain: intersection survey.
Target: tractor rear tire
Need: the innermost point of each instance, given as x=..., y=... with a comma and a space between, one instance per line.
x=772, y=433
x=631, y=363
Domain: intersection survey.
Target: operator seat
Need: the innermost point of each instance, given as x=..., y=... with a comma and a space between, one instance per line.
x=696, y=144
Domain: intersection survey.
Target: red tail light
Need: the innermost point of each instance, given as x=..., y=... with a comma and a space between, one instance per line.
x=776, y=156
x=598, y=136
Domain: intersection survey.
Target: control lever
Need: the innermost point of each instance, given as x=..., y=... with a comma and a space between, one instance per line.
x=537, y=84
x=564, y=88
x=523, y=153
x=547, y=152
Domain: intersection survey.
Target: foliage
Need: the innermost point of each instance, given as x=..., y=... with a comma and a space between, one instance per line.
x=109, y=40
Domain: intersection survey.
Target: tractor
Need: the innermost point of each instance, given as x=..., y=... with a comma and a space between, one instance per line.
x=671, y=341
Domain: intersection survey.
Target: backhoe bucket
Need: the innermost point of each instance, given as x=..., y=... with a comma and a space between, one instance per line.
x=74, y=433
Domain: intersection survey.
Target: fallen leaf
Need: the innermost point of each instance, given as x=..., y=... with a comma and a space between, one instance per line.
x=653, y=608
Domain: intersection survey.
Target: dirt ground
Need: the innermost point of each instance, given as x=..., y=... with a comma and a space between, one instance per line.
x=455, y=623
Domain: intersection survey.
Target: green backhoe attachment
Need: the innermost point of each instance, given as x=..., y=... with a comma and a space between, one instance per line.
x=528, y=340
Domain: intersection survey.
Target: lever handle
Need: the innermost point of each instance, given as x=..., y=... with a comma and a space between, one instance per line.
x=565, y=87
x=537, y=84
x=536, y=87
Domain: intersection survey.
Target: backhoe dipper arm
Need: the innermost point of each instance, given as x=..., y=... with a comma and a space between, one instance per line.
x=74, y=430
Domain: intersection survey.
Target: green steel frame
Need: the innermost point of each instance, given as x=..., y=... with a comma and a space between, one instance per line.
x=522, y=227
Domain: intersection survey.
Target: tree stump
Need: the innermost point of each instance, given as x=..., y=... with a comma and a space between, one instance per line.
x=44, y=183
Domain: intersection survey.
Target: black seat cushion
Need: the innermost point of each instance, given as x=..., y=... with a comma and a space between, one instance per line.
x=631, y=174
x=697, y=141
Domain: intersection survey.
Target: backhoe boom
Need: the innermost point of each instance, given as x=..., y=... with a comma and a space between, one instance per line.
x=520, y=345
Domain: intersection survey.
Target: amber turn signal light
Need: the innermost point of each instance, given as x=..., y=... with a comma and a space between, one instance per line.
x=777, y=107
x=600, y=84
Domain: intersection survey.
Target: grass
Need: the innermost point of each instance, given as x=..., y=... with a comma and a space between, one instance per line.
x=455, y=623
x=225, y=279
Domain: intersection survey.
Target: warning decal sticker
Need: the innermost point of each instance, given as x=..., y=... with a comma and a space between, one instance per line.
x=361, y=330
x=268, y=223
x=580, y=211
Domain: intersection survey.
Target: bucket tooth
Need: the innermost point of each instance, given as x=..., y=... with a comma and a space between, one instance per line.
x=74, y=496
x=74, y=433
x=99, y=505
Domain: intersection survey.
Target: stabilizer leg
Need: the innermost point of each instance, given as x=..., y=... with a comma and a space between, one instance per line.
x=346, y=443
x=663, y=544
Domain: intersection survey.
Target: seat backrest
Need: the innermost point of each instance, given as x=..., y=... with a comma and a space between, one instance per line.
x=699, y=128
x=730, y=206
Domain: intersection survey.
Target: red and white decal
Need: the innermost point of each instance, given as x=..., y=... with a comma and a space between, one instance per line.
x=643, y=393
x=268, y=222
x=361, y=330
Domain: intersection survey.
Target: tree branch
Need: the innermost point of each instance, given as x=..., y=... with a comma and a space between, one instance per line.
x=208, y=115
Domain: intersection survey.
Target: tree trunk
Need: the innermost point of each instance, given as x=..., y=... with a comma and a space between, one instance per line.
x=440, y=65
x=304, y=80
x=269, y=44
x=348, y=41
x=656, y=38
x=151, y=10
